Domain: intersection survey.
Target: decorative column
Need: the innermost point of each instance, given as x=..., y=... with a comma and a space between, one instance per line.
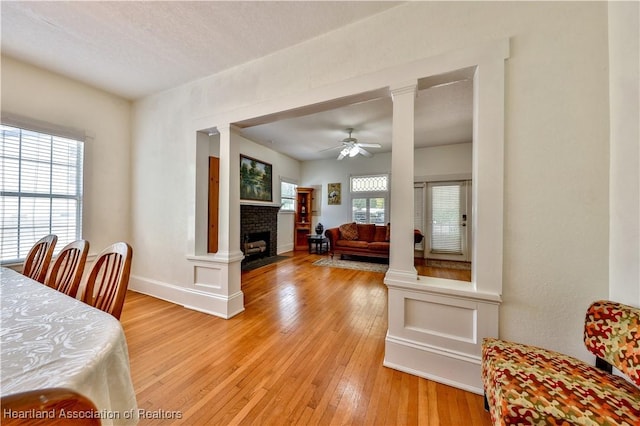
x=217, y=278
x=229, y=217
x=401, y=254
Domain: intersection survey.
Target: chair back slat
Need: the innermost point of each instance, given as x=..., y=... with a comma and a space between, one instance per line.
x=109, y=278
x=62, y=406
x=37, y=261
x=110, y=271
x=66, y=273
x=67, y=268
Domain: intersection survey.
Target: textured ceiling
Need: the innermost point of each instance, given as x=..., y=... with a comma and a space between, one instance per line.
x=136, y=48
x=443, y=116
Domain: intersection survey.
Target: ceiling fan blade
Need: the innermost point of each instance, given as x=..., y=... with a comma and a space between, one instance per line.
x=332, y=148
x=370, y=145
x=364, y=152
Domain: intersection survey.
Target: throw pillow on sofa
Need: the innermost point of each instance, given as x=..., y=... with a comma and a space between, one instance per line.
x=349, y=231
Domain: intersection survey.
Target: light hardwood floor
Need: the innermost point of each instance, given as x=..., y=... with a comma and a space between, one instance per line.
x=308, y=350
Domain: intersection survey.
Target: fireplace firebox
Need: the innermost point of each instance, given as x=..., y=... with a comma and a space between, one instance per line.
x=258, y=231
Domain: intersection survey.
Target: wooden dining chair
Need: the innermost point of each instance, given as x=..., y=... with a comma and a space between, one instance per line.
x=106, y=285
x=58, y=406
x=66, y=272
x=37, y=262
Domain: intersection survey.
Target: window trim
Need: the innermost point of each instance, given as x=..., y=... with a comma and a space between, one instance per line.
x=23, y=125
x=368, y=195
x=294, y=198
x=385, y=175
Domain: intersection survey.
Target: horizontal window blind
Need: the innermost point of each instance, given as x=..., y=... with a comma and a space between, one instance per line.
x=40, y=190
x=446, y=229
x=418, y=209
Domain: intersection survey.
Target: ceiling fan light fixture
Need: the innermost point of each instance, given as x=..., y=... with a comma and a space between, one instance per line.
x=351, y=147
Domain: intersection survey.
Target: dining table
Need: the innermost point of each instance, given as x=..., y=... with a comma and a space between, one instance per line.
x=51, y=340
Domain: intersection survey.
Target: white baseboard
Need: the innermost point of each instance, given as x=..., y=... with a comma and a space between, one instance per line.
x=460, y=371
x=213, y=304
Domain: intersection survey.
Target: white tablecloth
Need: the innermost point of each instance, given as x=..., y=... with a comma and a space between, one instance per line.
x=48, y=339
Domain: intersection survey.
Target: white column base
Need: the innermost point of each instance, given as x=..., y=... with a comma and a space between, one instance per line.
x=458, y=370
x=436, y=330
x=214, y=288
x=208, y=303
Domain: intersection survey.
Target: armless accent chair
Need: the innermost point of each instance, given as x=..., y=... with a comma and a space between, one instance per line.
x=107, y=282
x=66, y=273
x=37, y=262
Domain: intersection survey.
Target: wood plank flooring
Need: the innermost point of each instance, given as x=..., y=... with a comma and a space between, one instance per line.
x=307, y=350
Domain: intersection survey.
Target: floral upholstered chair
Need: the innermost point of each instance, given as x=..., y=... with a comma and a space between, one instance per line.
x=527, y=385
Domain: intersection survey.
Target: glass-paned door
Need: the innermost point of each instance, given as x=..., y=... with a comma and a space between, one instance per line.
x=448, y=220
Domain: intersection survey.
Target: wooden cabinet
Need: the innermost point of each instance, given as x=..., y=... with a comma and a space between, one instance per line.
x=304, y=198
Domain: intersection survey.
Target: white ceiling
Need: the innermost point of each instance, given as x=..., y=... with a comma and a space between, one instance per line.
x=443, y=116
x=136, y=48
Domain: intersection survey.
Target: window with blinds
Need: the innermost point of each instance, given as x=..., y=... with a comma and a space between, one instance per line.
x=418, y=212
x=40, y=190
x=446, y=227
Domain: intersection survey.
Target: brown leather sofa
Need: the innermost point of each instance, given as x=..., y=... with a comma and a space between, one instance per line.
x=361, y=239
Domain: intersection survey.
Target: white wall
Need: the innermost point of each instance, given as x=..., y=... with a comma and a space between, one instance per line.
x=37, y=94
x=440, y=161
x=556, y=144
x=624, y=240
x=556, y=172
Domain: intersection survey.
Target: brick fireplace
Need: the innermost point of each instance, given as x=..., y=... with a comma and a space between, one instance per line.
x=259, y=223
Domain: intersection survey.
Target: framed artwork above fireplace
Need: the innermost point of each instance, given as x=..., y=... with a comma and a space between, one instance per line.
x=255, y=179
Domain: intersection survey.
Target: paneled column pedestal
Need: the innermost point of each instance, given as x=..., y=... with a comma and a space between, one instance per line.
x=436, y=330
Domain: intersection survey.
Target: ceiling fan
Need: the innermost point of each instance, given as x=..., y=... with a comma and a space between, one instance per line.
x=351, y=147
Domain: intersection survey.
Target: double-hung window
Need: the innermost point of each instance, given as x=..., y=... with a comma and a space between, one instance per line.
x=369, y=199
x=287, y=196
x=40, y=190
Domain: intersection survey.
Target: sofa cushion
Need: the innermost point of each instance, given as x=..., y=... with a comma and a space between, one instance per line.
x=530, y=385
x=387, y=236
x=356, y=244
x=380, y=234
x=379, y=246
x=349, y=231
x=366, y=231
